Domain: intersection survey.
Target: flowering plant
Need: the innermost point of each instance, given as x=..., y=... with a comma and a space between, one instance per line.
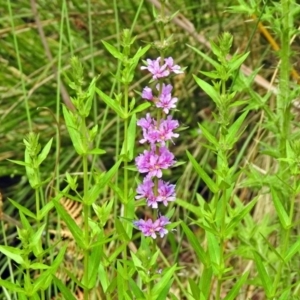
x=157, y=132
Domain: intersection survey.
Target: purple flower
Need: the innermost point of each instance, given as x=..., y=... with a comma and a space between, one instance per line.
x=154, y=67
x=150, y=133
x=162, y=222
x=152, y=163
x=166, y=102
x=154, y=134
x=144, y=190
x=147, y=93
x=171, y=67
x=147, y=227
x=150, y=228
x=166, y=192
x=166, y=128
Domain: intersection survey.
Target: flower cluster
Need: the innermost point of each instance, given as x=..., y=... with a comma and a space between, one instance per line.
x=158, y=157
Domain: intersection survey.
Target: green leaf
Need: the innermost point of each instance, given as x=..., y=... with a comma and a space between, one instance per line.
x=209, y=136
x=212, y=74
x=286, y=294
x=44, y=280
x=44, y=153
x=121, y=283
x=214, y=252
x=77, y=140
x=36, y=241
x=206, y=57
x=23, y=209
x=73, y=227
x=263, y=274
x=236, y=61
x=206, y=282
x=89, y=98
x=208, y=89
x=121, y=231
x=103, y=277
x=165, y=291
x=190, y=207
x=203, y=175
x=39, y=266
x=292, y=251
x=19, y=162
x=202, y=256
x=44, y=211
x=164, y=281
x=113, y=104
x=13, y=253
x=94, y=261
x=194, y=288
x=236, y=288
x=141, y=107
x=63, y=288
x=130, y=139
x=282, y=214
x=141, y=52
x=113, y=51
x=240, y=216
x=232, y=135
x=30, y=171
x=137, y=292
x=96, y=151
x=11, y=286
x=94, y=191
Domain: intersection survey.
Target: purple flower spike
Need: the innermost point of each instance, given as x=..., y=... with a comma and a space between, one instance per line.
x=156, y=132
x=154, y=67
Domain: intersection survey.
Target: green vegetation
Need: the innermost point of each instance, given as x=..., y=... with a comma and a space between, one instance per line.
x=71, y=96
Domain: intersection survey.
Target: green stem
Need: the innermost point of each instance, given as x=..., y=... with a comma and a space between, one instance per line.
x=86, y=214
x=283, y=101
x=125, y=204
x=223, y=164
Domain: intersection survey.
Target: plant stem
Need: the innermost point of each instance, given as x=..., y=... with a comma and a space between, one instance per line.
x=86, y=213
x=222, y=165
x=283, y=100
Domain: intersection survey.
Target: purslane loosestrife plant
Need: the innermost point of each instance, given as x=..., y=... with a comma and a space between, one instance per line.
x=156, y=133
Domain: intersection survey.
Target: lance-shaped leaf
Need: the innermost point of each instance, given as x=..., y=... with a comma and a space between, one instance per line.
x=281, y=212
x=77, y=140
x=73, y=227
x=202, y=256
x=130, y=139
x=208, y=89
x=113, y=51
x=263, y=274
x=236, y=288
x=203, y=175
x=113, y=104
x=44, y=153
x=103, y=180
x=13, y=253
